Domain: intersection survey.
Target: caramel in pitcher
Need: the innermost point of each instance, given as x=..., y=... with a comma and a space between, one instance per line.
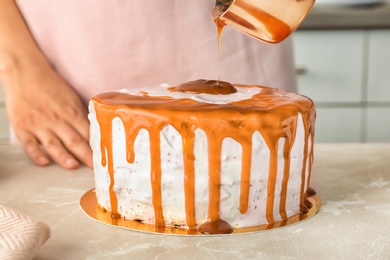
x=269, y=21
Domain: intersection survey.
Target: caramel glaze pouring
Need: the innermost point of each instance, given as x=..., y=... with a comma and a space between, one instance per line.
x=272, y=113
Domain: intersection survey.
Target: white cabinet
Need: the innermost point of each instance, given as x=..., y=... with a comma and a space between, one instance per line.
x=4, y=132
x=378, y=86
x=379, y=66
x=347, y=74
x=332, y=65
x=338, y=124
x=378, y=124
x=1, y=95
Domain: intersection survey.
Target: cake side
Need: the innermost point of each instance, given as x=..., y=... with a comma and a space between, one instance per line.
x=186, y=161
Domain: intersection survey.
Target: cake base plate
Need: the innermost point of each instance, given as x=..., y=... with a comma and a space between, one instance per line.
x=89, y=205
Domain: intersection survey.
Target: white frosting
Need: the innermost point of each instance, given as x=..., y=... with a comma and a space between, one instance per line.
x=133, y=186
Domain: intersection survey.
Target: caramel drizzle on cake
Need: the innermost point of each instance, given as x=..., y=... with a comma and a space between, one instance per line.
x=273, y=113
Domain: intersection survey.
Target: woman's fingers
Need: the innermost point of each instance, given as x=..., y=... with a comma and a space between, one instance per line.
x=45, y=136
x=57, y=151
x=76, y=116
x=32, y=148
x=76, y=143
x=52, y=146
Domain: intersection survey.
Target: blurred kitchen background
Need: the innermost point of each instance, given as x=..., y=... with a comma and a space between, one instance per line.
x=342, y=53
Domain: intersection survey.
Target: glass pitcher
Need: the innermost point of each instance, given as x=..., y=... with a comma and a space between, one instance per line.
x=268, y=20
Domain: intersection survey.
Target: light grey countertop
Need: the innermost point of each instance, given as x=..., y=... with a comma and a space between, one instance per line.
x=340, y=17
x=353, y=181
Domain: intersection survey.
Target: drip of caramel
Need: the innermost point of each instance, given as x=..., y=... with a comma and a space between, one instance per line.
x=220, y=26
x=216, y=226
x=311, y=192
x=273, y=113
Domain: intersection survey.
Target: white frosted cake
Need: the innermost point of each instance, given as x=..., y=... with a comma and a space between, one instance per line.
x=203, y=155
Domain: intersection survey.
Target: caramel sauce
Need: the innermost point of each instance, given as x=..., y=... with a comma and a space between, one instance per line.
x=311, y=192
x=220, y=26
x=273, y=113
x=217, y=226
x=202, y=86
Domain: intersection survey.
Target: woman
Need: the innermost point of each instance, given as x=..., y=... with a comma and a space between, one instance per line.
x=55, y=55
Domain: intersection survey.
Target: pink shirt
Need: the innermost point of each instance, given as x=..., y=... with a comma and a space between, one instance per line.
x=101, y=45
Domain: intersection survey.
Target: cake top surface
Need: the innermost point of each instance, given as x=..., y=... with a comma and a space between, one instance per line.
x=204, y=95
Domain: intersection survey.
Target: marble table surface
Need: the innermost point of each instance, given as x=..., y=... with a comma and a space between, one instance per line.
x=353, y=181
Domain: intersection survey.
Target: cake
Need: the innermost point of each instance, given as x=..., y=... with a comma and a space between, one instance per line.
x=204, y=155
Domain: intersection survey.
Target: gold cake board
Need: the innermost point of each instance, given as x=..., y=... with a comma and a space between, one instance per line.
x=89, y=205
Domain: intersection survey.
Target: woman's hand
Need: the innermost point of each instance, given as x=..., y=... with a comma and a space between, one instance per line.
x=48, y=117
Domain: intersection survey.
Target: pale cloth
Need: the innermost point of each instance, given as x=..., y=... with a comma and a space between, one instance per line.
x=99, y=45
x=21, y=236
